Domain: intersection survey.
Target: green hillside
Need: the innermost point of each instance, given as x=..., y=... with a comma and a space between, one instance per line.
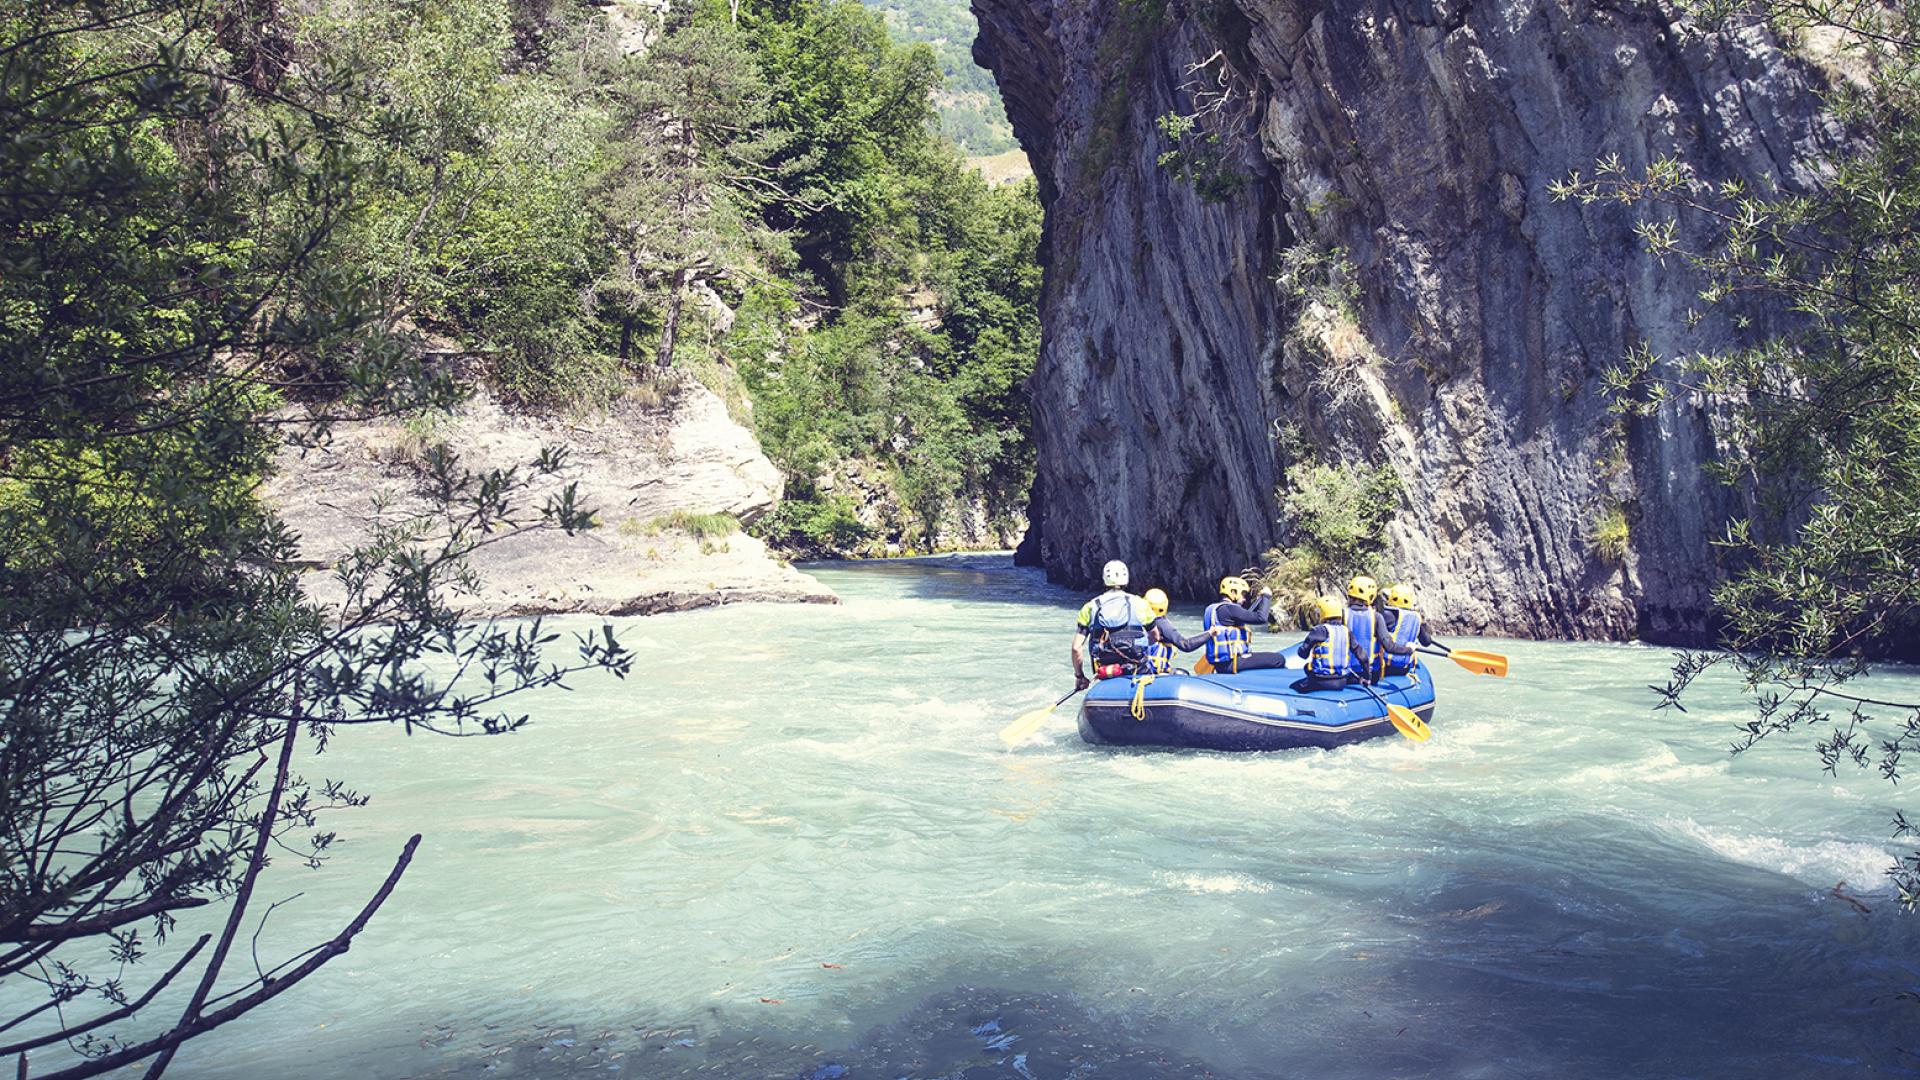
x=970, y=109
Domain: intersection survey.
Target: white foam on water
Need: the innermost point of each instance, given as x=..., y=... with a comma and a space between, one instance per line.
x=1143, y=767
x=1823, y=862
x=1028, y=891
x=1660, y=766
x=1466, y=734
x=971, y=714
x=909, y=609
x=758, y=815
x=1204, y=884
x=645, y=644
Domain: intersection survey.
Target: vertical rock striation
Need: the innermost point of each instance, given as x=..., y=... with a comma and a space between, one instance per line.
x=1407, y=146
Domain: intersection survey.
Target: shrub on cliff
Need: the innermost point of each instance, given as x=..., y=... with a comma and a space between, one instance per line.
x=1830, y=412
x=1335, y=518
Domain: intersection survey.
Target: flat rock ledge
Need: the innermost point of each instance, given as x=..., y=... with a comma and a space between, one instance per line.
x=647, y=458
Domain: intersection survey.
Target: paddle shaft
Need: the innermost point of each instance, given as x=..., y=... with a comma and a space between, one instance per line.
x=1480, y=663
x=1413, y=728
x=1374, y=694
x=1031, y=722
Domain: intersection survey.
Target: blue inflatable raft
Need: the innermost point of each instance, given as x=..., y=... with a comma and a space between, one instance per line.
x=1254, y=710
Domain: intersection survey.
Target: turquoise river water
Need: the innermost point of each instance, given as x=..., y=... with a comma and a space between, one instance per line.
x=791, y=846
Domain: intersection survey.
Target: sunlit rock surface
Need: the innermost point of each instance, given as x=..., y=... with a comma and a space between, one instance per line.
x=1417, y=141
x=636, y=465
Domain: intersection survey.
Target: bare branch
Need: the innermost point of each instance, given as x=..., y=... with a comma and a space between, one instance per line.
x=121, y=1013
x=335, y=946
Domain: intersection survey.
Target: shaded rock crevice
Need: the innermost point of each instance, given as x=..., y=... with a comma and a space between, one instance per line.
x=1415, y=141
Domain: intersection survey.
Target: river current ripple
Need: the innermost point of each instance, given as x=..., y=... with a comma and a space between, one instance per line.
x=790, y=846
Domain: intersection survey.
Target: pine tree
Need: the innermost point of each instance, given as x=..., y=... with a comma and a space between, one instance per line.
x=687, y=175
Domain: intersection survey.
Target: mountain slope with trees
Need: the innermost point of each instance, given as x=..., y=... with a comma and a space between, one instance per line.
x=802, y=239
x=971, y=113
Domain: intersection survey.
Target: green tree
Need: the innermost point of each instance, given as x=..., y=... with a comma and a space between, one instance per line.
x=687, y=174
x=170, y=253
x=928, y=324
x=477, y=221
x=860, y=109
x=1829, y=410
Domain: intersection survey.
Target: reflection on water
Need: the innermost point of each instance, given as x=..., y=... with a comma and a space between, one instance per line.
x=791, y=846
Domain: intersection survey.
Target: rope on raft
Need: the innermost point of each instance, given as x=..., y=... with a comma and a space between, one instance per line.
x=1138, y=707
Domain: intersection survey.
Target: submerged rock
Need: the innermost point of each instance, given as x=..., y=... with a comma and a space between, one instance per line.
x=1376, y=269
x=647, y=466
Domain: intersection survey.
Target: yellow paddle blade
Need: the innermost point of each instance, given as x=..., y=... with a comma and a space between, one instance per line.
x=1408, y=723
x=1480, y=663
x=1203, y=666
x=1017, y=732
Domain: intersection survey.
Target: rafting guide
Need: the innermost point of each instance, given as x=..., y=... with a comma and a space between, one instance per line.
x=1127, y=634
x=1115, y=625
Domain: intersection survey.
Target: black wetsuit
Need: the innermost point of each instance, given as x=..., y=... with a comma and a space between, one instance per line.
x=1392, y=618
x=1180, y=642
x=1167, y=644
x=1228, y=613
x=1319, y=682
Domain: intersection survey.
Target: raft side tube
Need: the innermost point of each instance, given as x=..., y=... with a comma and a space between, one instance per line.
x=1250, y=711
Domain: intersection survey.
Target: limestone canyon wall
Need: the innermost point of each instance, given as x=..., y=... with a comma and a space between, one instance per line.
x=1408, y=148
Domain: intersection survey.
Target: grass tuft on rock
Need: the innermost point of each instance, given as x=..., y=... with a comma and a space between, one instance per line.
x=703, y=527
x=1610, y=533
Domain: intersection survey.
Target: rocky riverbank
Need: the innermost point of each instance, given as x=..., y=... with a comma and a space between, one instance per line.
x=670, y=476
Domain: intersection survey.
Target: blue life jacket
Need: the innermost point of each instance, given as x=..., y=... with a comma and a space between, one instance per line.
x=1230, y=644
x=1366, y=650
x=1116, y=632
x=1160, y=657
x=1334, y=656
x=1405, y=632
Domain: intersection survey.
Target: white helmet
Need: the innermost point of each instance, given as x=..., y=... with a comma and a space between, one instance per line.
x=1114, y=574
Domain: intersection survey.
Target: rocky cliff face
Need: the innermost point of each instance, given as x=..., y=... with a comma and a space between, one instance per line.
x=1386, y=280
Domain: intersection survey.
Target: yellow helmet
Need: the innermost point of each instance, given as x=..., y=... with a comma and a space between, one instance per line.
x=1363, y=589
x=1234, y=588
x=1330, y=607
x=1400, y=596
x=1156, y=602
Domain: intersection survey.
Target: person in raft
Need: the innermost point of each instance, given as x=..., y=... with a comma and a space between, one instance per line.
x=1406, y=627
x=1114, y=624
x=1231, y=649
x=1368, y=630
x=1328, y=650
x=1118, y=628
x=1164, y=638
